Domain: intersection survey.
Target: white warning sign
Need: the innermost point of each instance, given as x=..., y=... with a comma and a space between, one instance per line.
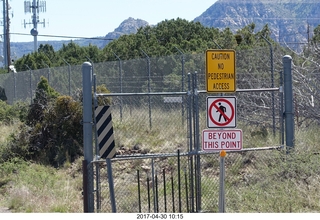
x=221, y=112
x=216, y=140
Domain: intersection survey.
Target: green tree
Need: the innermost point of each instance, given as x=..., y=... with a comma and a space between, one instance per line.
x=48, y=51
x=76, y=55
x=245, y=36
x=44, y=96
x=316, y=35
x=72, y=53
x=162, y=40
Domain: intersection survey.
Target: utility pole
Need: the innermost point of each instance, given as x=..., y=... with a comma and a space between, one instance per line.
x=6, y=35
x=308, y=32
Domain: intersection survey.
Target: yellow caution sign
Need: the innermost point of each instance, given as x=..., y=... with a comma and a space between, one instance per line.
x=221, y=71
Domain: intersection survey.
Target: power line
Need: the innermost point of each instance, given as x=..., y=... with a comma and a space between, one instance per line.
x=60, y=36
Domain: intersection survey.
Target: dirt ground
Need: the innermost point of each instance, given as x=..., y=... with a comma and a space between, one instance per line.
x=4, y=210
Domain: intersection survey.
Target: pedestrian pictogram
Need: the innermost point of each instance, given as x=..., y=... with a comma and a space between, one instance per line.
x=221, y=112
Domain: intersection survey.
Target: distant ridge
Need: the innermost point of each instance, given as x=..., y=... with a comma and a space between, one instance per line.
x=291, y=21
x=128, y=26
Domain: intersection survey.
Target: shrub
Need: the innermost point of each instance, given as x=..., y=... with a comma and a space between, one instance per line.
x=9, y=113
x=52, y=133
x=57, y=137
x=101, y=99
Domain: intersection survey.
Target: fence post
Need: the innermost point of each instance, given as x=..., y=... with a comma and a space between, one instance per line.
x=281, y=111
x=120, y=82
x=85, y=186
x=48, y=70
x=15, y=86
x=222, y=207
x=288, y=106
x=182, y=82
x=87, y=129
x=69, y=77
x=111, y=186
x=95, y=102
x=30, y=78
x=153, y=186
x=190, y=111
x=149, y=87
x=272, y=85
x=197, y=141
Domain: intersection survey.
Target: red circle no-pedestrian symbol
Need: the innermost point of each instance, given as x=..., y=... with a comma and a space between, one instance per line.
x=221, y=112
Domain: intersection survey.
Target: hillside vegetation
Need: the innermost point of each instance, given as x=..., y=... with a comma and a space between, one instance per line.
x=288, y=20
x=167, y=38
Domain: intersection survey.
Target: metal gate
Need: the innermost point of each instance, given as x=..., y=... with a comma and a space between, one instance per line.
x=187, y=105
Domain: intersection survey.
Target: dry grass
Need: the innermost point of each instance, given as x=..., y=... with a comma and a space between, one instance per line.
x=167, y=133
x=29, y=187
x=6, y=130
x=39, y=189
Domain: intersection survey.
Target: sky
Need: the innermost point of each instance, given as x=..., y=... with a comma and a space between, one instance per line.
x=95, y=18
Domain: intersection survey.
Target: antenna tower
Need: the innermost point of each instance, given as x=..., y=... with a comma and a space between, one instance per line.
x=34, y=7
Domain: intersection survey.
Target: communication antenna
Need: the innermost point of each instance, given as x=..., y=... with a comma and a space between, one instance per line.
x=34, y=7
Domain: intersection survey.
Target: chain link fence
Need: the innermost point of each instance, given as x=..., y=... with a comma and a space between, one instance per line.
x=257, y=180
x=157, y=167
